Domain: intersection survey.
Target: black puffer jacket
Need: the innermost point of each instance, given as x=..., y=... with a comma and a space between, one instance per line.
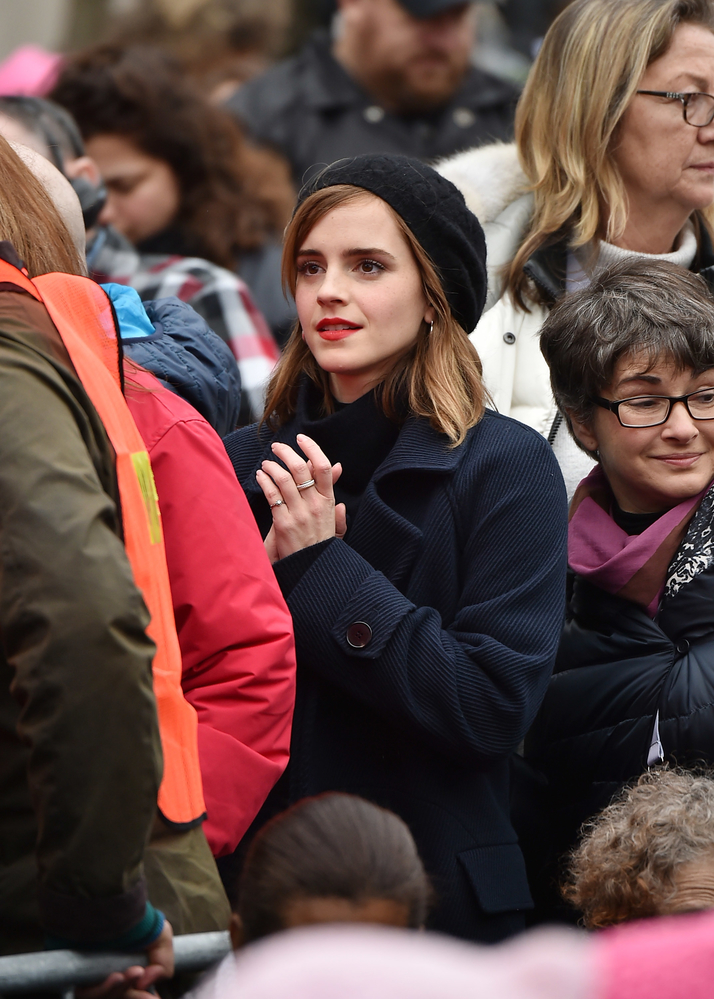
x=616, y=669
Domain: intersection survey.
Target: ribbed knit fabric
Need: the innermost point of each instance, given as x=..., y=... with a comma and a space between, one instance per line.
x=583, y=265
x=456, y=563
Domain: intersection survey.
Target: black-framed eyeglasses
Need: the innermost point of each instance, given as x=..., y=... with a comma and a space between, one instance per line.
x=653, y=410
x=698, y=109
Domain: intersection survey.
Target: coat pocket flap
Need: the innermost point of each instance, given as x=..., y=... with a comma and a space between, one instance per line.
x=498, y=876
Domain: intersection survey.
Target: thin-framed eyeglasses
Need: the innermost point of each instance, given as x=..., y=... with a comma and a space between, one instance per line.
x=653, y=410
x=698, y=109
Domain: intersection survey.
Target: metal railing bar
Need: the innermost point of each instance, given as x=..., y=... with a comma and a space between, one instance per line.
x=58, y=970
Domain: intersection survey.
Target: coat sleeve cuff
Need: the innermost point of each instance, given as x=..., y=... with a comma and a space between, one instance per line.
x=139, y=937
x=290, y=570
x=84, y=921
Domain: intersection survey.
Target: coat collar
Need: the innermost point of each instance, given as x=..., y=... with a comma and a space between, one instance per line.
x=388, y=528
x=418, y=448
x=390, y=522
x=328, y=86
x=548, y=266
x=705, y=257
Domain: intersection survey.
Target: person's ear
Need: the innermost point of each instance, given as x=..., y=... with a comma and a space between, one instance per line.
x=83, y=166
x=236, y=931
x=584, y=432
x=429, y=315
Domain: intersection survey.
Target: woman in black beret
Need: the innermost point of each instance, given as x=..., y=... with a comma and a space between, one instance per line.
x=418, y=537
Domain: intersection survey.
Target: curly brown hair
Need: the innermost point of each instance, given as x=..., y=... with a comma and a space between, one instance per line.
x=626, y=862
x=233, y=197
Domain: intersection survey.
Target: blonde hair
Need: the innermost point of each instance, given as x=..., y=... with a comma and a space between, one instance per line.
x=583, y=80
x=31, y=222
x=440, y=377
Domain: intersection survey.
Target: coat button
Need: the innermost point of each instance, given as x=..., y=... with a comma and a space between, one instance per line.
x=509, y=337
x=683, y=646
x=373, y=114
x=359, y=634
x=464, y=117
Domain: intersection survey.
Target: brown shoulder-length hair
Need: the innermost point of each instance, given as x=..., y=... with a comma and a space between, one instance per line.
x=233, y=196
x=440, y=377
x=30, y=221
x=582, y=82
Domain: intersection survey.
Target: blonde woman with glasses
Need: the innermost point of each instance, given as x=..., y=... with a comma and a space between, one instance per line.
x=615, y=160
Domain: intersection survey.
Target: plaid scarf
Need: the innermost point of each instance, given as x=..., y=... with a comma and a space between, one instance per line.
x=634, y=567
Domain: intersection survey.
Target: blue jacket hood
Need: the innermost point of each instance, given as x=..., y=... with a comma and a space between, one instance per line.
x=169, y=338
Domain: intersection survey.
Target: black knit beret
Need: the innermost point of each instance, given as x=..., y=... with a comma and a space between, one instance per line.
x=436, y=213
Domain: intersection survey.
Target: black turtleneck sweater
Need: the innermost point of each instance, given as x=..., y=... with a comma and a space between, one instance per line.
x=357, y=434
x=633, y=523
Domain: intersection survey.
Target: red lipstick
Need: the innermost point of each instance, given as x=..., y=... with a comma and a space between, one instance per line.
x=335, y=328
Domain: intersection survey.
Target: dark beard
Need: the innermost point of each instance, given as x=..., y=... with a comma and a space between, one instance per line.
x=400, y=91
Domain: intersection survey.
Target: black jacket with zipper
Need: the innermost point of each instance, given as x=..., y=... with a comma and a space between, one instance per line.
x=621, y=679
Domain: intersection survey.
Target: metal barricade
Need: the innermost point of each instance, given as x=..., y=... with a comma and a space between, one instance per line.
x=63, y=970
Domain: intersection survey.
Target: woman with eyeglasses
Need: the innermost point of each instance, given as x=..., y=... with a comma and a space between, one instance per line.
x=615, y=161
x=632, y=367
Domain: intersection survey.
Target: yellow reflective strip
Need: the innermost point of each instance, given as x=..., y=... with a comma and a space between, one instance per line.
x=145, y=478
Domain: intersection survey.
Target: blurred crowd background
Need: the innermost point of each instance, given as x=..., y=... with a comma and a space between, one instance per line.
x=233, y=40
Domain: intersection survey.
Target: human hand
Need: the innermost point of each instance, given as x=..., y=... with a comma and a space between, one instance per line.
x=134, y=982
x=301, y=517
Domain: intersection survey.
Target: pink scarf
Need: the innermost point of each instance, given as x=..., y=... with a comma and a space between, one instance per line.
x=630, y=566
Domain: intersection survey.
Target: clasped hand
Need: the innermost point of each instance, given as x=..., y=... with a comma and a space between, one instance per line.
x=306, y=516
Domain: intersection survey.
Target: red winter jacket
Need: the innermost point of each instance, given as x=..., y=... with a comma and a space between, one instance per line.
x=233, y=625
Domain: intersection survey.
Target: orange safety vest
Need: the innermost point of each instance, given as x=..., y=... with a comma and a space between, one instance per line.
x=83, y=316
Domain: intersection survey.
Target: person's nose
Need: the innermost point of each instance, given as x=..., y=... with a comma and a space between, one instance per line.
x=680, y=427
x=107, y=216
x=333, y=287
x=705, y=134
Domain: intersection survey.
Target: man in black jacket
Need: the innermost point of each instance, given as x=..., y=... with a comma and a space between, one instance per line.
x=396, y=79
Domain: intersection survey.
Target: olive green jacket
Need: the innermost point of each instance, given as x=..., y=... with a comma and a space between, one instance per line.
x=80, y=755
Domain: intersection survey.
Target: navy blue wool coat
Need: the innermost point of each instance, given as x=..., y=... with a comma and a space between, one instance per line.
x=456, y=561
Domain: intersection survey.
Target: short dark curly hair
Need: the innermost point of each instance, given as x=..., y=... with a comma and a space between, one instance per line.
x=626, y=862
x=647, y=306
x=233, y=196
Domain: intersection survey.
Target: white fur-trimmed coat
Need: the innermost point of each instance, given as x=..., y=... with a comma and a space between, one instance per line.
x=507, y=339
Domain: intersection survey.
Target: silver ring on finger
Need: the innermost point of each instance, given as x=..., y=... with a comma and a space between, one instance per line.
x=305, y=485
x=279, y=502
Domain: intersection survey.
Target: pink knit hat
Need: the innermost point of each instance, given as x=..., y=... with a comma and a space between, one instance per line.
x=340, y=961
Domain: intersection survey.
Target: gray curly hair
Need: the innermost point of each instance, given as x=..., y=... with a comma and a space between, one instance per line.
x=626, y=862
